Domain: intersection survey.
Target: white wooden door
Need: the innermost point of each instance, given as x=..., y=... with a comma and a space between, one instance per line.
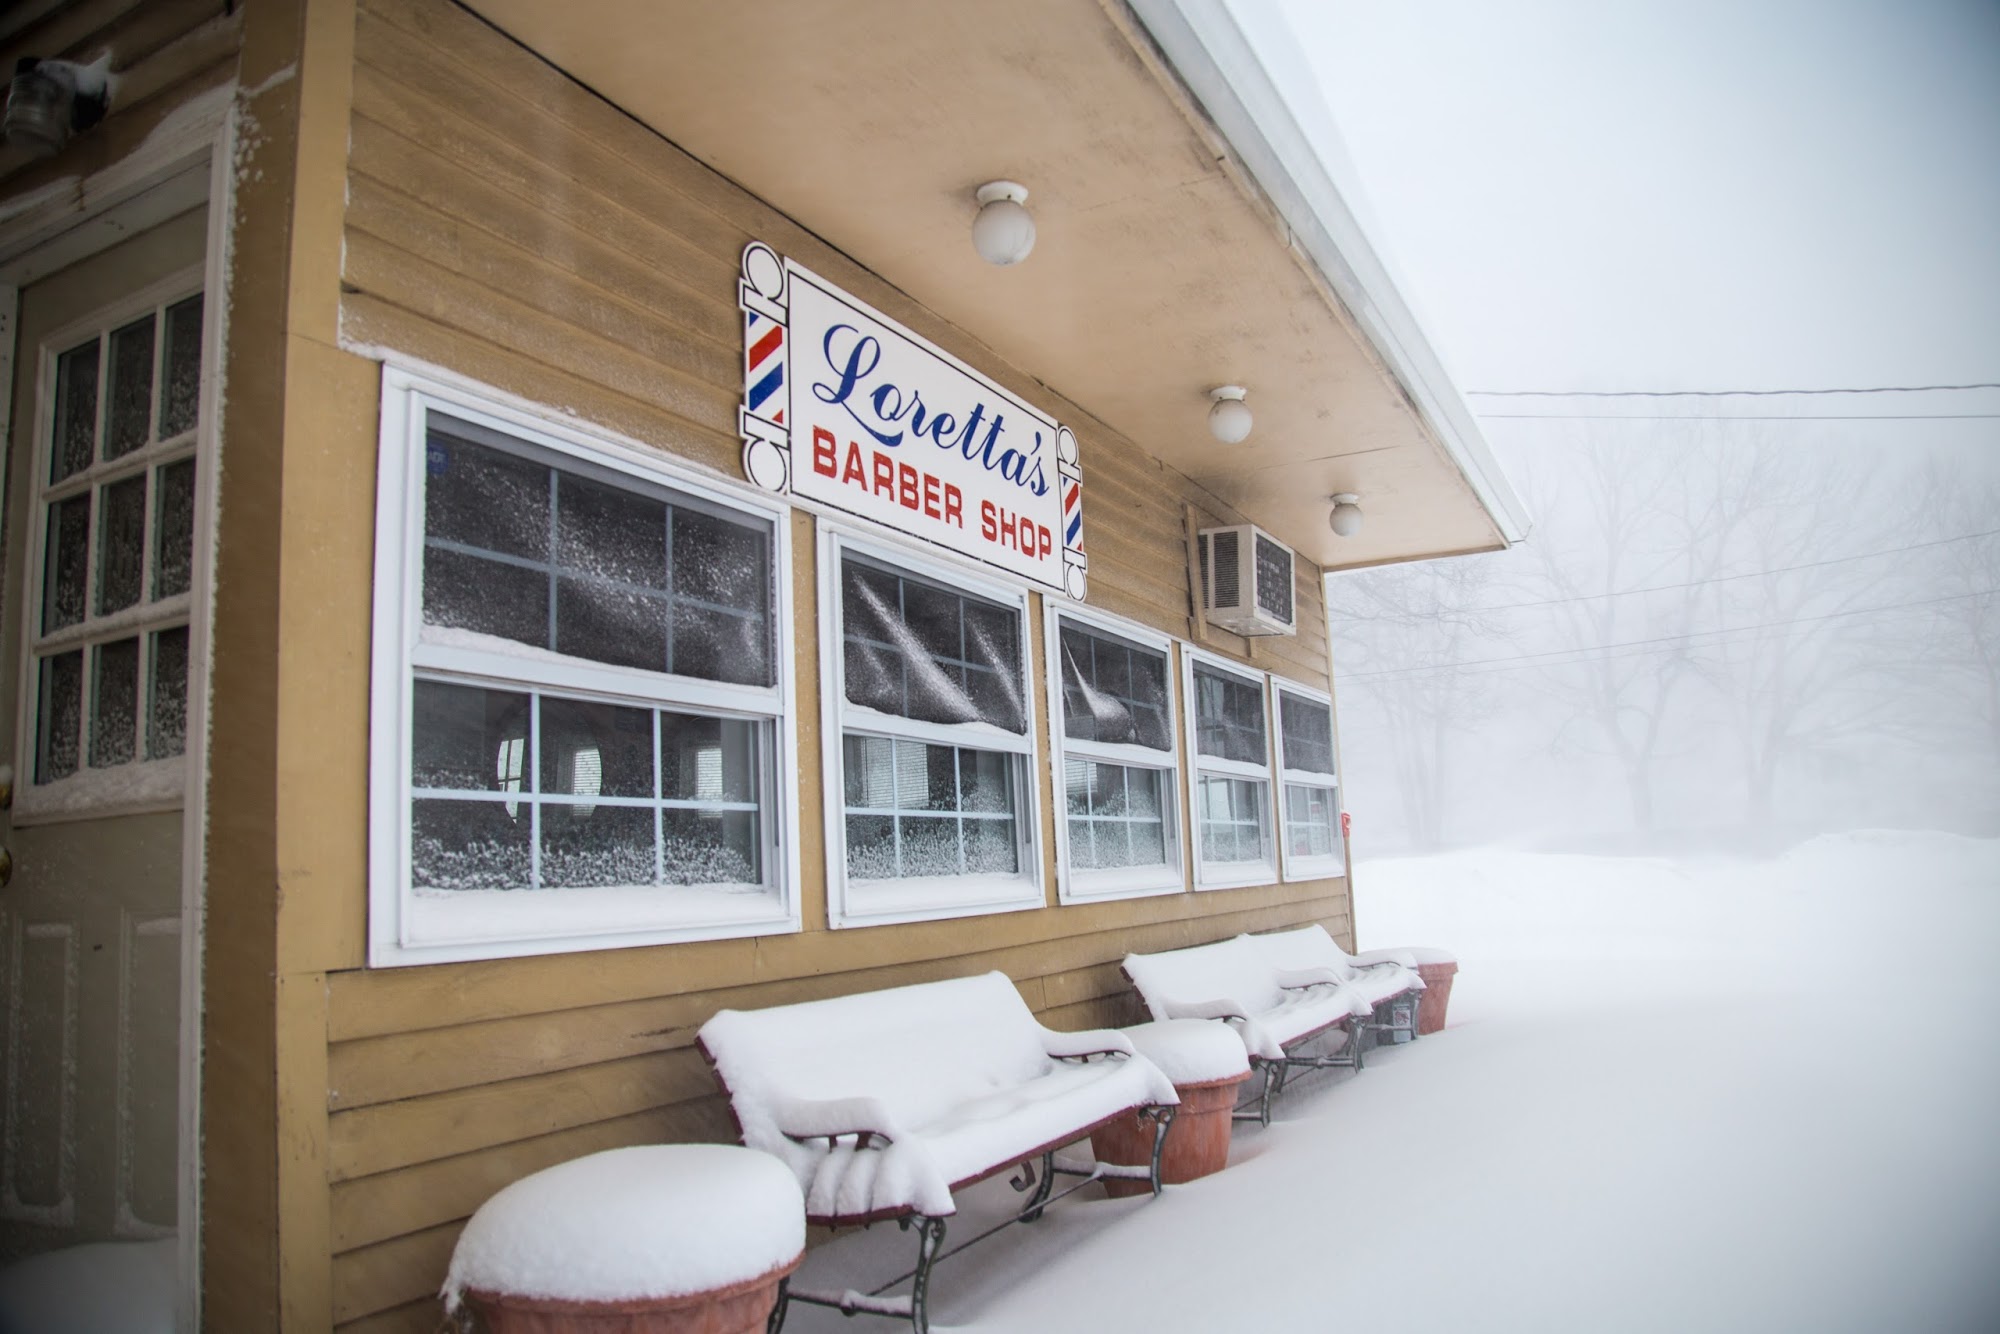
x=94, y=665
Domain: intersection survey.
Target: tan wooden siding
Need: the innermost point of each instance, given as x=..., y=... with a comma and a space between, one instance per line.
x=505, y=223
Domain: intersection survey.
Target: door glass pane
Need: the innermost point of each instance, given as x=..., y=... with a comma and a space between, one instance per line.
x=121, y=543
x=166, y=708
x=180, y=369
x=114, y=711
x=173, y=529
x=67, y=564
x=129, y=423
x=61, y=716
x=75, y=440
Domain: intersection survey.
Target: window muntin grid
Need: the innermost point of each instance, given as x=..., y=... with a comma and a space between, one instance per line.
x=1305, y=733
x=529, y=790
x=1312, y=821
x=915, y=649
x=115, y=518
x=1229, y=717
x=1113, y=692
x=1235, y=827
x=1117, y=815
x=915, y=809
x=523, y=549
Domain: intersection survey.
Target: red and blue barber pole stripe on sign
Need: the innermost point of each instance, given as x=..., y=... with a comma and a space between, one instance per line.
x=761, y=294
x=763, y=367
x=1069, y=467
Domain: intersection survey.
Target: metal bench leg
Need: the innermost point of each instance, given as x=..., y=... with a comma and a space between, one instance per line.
x=930, y=1237
x=1163, y=1120
x=1274, y=1080
x=776, y=1323
x=1039, y=1200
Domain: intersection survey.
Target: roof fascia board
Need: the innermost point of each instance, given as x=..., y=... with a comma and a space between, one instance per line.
x=1210, y=48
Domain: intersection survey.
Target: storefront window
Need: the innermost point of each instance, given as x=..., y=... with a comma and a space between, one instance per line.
x=1232, y=777
x=1312, y=845
x=591, y=749
x=936, y=816
x=1120, y=832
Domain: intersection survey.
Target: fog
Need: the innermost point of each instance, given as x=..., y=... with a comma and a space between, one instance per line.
x=1722, y=635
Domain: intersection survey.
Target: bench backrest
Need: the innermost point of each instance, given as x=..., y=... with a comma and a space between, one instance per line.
x=918, y=1049
x=1227, y=970
x=1307, y=947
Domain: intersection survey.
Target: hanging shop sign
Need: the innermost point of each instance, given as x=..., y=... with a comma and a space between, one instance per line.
x=845, y=407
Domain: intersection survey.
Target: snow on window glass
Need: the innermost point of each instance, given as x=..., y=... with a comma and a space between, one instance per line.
x=121, y=543
x=166, y=711
x=1115, y=816
x=917, y=809
x=1310, y=821
x=180, y=368
x=1307, y=726
x=75, y=439
x=128, y=418
x=1231, y=811
x=67, y=565
x=1113, y=691
x=550, y=557
x=1229, y=717
x=932, y=654
x=173, y=529
x=600, y=794
x=57, y=747
x=114, y=693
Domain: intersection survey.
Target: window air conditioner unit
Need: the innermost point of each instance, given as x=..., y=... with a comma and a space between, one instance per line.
x=1246, y=581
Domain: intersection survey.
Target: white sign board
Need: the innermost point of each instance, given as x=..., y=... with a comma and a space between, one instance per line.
x=847, y=408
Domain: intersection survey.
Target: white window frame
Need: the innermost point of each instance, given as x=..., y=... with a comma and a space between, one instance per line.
x=399, y=936
x=1228, y=875
x=139, y=785
x=1329, y=865
x=1092, y=885
x=919, y=898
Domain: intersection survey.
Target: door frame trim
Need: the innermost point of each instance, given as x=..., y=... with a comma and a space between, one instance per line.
x=47, y=230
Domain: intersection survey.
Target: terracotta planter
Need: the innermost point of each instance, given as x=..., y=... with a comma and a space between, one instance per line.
x=1437, y=995
x=1197, y=1142
x=740, y=1308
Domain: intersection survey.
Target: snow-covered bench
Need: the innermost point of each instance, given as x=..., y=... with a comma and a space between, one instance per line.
x=885, y=1103
x=1386, y=979
x=1277, y=1012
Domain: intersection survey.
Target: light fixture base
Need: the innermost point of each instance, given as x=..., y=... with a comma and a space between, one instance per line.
x=1228, y=393
x=1346, y=498
x=994, y=191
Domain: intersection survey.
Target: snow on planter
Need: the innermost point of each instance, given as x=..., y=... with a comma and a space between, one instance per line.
x=651, y=1221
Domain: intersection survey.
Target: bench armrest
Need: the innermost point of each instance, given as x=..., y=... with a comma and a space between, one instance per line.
x=1082, y=1046
x=1319, y=975
x=1222, y=1007
x=806, y=1119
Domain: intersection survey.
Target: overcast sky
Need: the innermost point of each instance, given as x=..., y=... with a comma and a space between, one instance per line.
x=1685, y=194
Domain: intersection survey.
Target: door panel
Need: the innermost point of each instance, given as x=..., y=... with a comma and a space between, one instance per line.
x=93, y=665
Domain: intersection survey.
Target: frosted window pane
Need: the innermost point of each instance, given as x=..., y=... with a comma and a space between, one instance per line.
x=467, y=593
x=1082, y=846
x=67, y=563
x=75, y=441
x=871, y=847
x=129, y=422
x=1308, y=729
x=929, y=846
x=61, y=716
x=1118, y=808
x=469, y=845
x=985, y=779
x=180, y=373
x=712, y=848
x=928, y=653
x=720, y=562
x=121, y=543
x=1076, y=785
x=1229, y=717
x=721, y=645
x=114, y=715
x=1232, y=820
x=708, y=759
x=173, y=529
x=166, y=711
x=1113, y=691
x=1309, y=821
x=923, y=785
x=990, y=846
x=468, y=739
x=596, y=845
x=610, y=623
x=479, y=497
x=596, y=750
x=604, y=533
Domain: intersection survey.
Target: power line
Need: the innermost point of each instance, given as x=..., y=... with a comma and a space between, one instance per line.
x=1729, y=578
x=1737, y=416
x=1728, y=393
x=1672, y=639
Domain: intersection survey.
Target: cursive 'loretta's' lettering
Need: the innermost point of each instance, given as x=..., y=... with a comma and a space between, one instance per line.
x=891, y=414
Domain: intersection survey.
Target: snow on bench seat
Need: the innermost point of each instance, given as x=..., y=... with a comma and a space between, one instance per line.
x=1377, y=977
x=885, y=1102
x=1233, y=981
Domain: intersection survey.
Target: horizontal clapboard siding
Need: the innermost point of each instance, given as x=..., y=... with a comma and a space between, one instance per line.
x=504, y=222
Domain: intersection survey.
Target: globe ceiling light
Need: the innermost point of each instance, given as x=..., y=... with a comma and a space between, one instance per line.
x=1345, y=518
x=1004, y=231
x=1229, y=420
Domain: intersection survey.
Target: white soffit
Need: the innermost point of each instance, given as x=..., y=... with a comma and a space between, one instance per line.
x=1239, y=60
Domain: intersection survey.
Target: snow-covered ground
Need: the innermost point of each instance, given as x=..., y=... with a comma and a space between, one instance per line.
x=1674, y=1096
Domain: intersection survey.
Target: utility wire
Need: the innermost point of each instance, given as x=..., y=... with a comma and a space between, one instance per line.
x=1727, y=393
x=1730, y=578
x=1672, y=639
